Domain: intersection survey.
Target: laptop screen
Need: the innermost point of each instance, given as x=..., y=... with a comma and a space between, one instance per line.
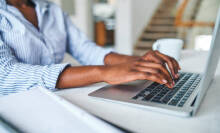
x=211, y=64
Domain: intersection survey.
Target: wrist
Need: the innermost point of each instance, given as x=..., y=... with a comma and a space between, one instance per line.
x=114, y=58
x=103, y=73
x=109, y=58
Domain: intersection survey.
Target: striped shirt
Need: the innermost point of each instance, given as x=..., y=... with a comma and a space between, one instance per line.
x=31, y=57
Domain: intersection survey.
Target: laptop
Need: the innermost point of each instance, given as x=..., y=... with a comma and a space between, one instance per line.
x=183, y=100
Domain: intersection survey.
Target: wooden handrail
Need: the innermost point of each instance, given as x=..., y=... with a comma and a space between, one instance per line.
x=180, y=23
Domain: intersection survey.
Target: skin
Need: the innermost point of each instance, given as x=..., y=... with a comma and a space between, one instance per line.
x=117, y=69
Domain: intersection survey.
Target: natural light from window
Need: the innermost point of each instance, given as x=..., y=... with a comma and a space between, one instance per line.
x=203, y=42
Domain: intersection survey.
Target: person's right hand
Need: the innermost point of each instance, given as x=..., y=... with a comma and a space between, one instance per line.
x=138, y=70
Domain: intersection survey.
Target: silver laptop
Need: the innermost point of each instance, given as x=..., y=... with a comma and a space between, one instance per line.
x=186, y=96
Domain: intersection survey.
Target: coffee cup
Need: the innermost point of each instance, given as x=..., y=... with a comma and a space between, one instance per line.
x=169, y=46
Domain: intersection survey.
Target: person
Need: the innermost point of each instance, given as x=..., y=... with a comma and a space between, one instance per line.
x=35, y=34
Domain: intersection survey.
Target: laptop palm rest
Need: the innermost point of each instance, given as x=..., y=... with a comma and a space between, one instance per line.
x=122, y=91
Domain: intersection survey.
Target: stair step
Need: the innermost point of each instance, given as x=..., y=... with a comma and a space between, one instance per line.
x=164, y=8
x=161, y=29
x=164, y=13
x=164, y=32
x=139, y=52
x=162, y=21
x=147, y=39
x=153, y=24
x=164, y=17
x=166, y=3
x=159, y=35
x=145, y=44
x=160, y=10
x=162, y=25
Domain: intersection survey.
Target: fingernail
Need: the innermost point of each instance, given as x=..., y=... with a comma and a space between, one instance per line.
x=177, y=75
x=164, y=81
x=173, y=83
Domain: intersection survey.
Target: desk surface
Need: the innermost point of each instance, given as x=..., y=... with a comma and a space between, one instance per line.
x=207, y=120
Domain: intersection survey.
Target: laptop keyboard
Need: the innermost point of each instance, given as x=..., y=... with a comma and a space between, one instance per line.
x=177, y=96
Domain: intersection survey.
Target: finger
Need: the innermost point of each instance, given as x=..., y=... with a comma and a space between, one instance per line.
x=159, y=68
x=153, y=77
x=179, y=68
x=168, y=61
x=167, y=84
x=157, y=59
x=147, y=69
x=177, y=64
x=176, y=68
x=162, y=76
x=166, y=73
x=151, y=56
x=155, y=71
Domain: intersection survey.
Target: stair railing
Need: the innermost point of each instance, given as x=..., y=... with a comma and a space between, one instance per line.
x=179, y=18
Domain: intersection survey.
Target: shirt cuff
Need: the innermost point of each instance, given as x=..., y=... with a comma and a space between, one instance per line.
x=102, y=55
x=51, y=75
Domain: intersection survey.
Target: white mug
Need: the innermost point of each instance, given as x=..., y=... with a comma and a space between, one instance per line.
x=171, y=47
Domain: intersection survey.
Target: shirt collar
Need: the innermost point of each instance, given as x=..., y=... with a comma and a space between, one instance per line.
x=42, y=4
x=3, y=4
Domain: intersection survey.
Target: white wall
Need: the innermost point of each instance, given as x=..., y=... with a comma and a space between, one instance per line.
x=131, y=18
x=82, y=16
x=207, y=13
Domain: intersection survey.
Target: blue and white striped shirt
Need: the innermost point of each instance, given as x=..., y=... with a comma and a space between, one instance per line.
x=30, y=57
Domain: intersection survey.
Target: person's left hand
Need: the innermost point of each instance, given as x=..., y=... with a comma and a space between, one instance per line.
x=151, y=56
x=157, y=57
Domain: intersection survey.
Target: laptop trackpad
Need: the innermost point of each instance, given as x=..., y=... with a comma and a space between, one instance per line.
x=122, y=91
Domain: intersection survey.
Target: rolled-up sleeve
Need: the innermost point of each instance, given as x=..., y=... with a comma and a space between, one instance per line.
x=81, y=48
x=16, y=76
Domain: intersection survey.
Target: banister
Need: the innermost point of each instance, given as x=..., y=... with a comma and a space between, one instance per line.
x=180, y=23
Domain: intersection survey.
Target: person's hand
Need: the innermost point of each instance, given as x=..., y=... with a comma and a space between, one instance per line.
x=159, y=58
x=149, y=67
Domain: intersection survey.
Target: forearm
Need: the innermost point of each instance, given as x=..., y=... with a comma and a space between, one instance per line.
x=121, y=69
x=86, y=75
x=80, y=76
x=114, y=58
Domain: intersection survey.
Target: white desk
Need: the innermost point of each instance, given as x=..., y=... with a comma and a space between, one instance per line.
x=207, y=119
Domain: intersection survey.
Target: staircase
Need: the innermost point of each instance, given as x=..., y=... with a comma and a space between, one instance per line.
x=162, y=25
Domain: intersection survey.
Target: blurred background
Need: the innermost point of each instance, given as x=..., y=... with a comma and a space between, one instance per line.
x=132, y=26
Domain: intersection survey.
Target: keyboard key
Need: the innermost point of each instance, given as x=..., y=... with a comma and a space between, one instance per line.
x=176, y=98
x=157, y=97
x=135, y=97
x=153, y=85
x=156, y=100
x=184, y=87
x=173, y=102
x=146, y=93
x=148, y=97
x=165, y=100
x=181, y=104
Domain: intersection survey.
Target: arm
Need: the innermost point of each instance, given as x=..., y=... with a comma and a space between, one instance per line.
x=118, y=69
x=16, y=76
x=86, y=51
x=115, y=58
x=153, y=56
x=81, y=48
x=135, y=68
